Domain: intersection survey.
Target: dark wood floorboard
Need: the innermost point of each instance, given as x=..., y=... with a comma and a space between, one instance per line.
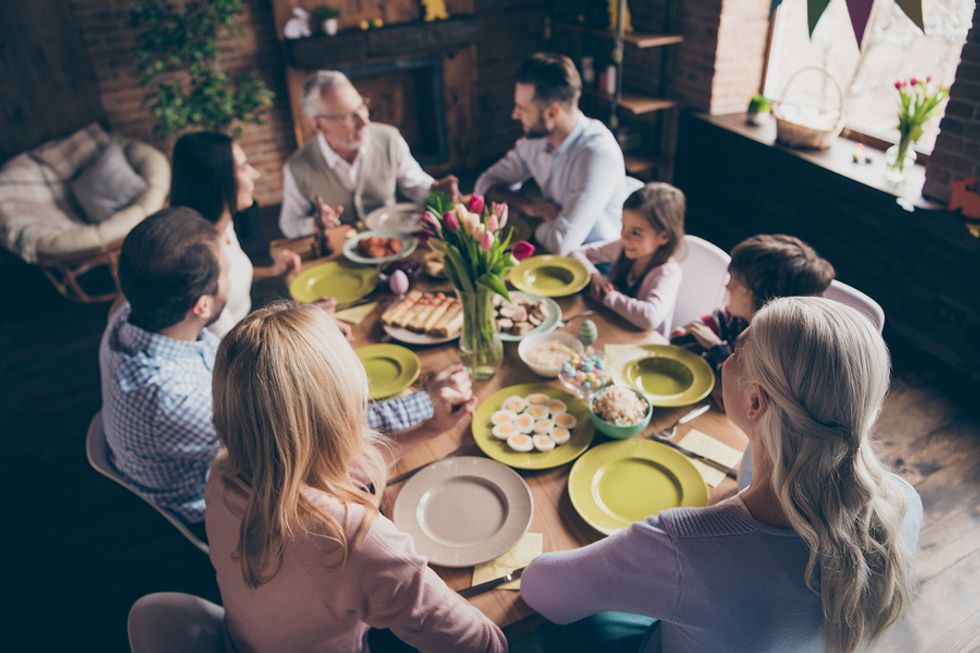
x=80, y=549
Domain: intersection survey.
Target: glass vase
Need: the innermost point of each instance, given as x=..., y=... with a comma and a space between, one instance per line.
x=899, y=158
x=480, y=347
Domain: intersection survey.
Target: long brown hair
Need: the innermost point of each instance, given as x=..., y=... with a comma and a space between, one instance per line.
x=289, y=408
x=663, y=206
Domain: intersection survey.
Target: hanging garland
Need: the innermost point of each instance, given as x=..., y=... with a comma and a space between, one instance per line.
x=859, y=11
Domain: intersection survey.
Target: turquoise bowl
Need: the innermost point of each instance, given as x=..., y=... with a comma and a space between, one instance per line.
x=616, y=431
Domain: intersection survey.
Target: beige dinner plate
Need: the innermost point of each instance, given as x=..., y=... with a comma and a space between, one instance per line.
x=464, y=510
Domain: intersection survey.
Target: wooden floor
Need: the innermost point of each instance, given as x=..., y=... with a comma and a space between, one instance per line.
x=80, y=549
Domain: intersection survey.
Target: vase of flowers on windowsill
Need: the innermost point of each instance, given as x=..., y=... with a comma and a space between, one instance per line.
x=918, y=100
x=477, y=252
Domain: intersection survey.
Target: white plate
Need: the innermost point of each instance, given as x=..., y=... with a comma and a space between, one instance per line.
x=415, y=338
x=403, y=218
x=552, y=315
x=409, y=243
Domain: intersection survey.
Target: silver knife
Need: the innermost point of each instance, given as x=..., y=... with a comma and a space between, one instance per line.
x=729, y=472
x=470, y=592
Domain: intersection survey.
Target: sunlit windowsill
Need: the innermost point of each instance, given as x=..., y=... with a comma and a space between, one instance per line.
x=838, y=158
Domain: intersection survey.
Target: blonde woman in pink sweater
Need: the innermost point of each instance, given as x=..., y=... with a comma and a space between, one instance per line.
x=304, y=560
x=643, y=280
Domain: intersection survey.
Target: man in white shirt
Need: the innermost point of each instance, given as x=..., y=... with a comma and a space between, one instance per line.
x=575, y=160
x=352, y=166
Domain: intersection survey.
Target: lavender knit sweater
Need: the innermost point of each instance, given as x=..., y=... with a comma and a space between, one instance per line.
x=717, y=579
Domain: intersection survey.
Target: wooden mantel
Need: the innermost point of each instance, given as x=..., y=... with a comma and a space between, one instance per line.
x=362, y=46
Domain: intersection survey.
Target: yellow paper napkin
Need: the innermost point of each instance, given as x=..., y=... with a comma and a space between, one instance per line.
x=709, y=447
x=527, y=549
x=356, y=314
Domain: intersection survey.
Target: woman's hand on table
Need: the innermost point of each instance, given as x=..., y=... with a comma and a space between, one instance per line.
x=329, y=305
x=451, y=393
x=285, y=262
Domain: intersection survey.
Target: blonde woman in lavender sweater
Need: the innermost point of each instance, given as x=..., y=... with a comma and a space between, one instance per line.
x=304, y=560
x=815, y=555
x=644, y=278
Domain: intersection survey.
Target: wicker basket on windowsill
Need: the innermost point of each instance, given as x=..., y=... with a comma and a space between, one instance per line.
x=795, y=129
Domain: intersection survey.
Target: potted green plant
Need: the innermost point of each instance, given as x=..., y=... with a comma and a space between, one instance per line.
x=758, y=111
x=325, y=18
x=176, y=57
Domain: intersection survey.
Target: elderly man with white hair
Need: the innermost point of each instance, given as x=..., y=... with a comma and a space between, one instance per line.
x=352, y=166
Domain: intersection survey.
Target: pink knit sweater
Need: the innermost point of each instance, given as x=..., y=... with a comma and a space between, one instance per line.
x=653, y=306
x=311, y=606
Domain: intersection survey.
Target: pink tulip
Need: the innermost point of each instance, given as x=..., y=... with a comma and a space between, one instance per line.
x=476, y=203
x=898, y=85
x=492, y=223
x=487, y=241
x=451, y=221
x=929, y=79
x=430, y=222
x=522, y=249
x=913, y=81
x=502, y=212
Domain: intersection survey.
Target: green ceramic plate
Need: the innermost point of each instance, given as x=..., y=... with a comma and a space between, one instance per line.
x=618, y=483
x=549, y=276
x=668, y=376
x=409, y=243
x=342, y=280
x=390, y=369
x=498, y=449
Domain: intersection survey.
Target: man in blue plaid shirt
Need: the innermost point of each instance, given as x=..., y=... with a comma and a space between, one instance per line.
x=156, y=360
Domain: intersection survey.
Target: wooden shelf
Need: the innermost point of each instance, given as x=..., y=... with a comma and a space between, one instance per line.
x=637, y=164
x=638, y=39
x=636, y=104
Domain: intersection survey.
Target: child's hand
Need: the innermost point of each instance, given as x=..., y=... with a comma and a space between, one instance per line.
x=599, y=287
x=703, y=334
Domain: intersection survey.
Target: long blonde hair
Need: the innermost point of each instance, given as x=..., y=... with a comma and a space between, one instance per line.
x=825, y=371
x=289, y=407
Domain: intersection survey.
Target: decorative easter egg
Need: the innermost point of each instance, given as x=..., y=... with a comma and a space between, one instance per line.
x=588, y=332
x=398, y=282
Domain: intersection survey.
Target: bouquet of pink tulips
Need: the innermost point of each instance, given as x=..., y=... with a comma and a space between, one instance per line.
x=471, y=239
x=918, y=100
x=477, y=253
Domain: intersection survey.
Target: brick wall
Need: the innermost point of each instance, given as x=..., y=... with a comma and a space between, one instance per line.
x=109, y=39
x=957, y=151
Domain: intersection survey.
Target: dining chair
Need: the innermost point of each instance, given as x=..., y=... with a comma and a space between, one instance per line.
x=704, y=267
x=97, y=450
x=845, y=294
x=173, y=622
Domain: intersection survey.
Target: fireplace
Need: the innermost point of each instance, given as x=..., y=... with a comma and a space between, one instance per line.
x=419, y=78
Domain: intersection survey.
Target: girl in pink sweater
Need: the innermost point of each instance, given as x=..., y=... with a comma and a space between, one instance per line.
x=642, y=284
x=303, y=558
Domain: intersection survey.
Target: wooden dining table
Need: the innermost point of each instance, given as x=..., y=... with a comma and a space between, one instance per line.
x=554, y=517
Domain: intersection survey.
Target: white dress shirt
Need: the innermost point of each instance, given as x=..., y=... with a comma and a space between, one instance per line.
x=295, y=216
x=585, y=176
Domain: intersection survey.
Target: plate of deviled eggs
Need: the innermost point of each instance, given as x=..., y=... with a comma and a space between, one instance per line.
x=533, y=426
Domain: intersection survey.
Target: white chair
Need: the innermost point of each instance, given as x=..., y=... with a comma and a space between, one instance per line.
x=97, y=451
x=704, y=267
x=845, y=294
x=172, y=622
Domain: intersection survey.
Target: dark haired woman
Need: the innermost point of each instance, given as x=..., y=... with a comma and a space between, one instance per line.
x=211, y=174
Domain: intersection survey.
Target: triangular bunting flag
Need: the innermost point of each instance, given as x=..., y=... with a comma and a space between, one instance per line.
x=774, y=5
x=860, y=11
x=913, y=9
x=814, y=10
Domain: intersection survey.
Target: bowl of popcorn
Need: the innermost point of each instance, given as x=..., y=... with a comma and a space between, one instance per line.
x=620, y=412
x=546, y=353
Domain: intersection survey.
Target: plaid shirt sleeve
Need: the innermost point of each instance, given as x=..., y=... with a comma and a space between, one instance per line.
x=394, y=415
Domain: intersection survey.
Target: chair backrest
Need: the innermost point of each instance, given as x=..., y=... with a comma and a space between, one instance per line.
x=845, y=294
x=97, y=450
x=172, y=622
x=704, y=267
